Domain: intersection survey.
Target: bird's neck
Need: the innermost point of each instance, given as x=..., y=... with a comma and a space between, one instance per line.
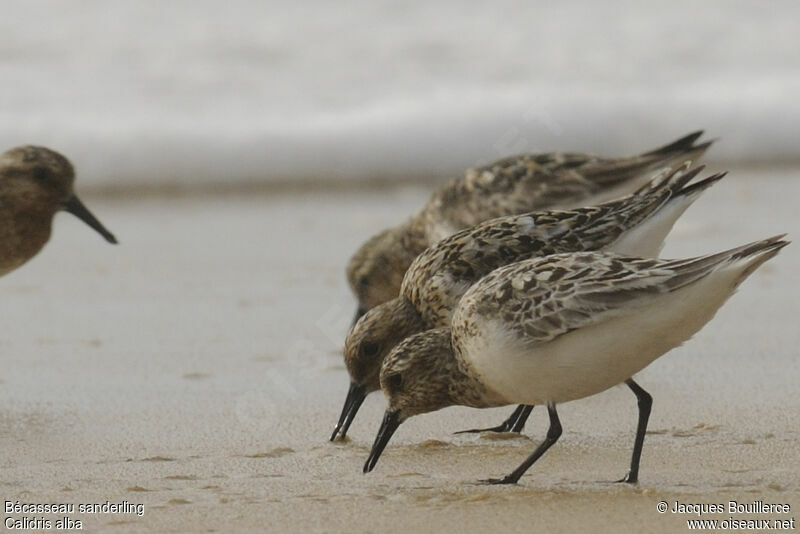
x=462, y=384
x=414, y=238
x=23, y=233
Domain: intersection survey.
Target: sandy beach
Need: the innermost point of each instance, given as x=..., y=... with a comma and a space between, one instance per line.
x=196, y=369
x=187, y=380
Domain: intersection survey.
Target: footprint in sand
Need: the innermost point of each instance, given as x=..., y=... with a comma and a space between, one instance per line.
x=272, y=453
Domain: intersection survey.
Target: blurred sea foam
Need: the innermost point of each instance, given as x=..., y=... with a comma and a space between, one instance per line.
x=201, y=92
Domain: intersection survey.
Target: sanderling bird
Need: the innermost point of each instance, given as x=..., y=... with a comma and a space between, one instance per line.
x=509, y=186
x=560, y=328
x=635, y=225
x=35, y=183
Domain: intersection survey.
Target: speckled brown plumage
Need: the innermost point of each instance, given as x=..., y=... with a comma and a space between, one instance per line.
x=439, y=277
x=559, y=328
x=423, y=371
x=509, y=186
x=35, y=183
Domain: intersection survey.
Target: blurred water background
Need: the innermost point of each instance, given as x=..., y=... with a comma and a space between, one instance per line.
x=200, y=93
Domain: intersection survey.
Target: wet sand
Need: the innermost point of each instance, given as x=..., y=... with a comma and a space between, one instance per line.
x=196, y=369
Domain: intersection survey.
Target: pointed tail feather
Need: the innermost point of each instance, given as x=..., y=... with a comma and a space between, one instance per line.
x=657, y=160
x=753, y=254
x=651, y=212
x=680, y=152
x=681, y=145
x=670, y=180
x=758, y=253
x=629, y=173
x=698, y=187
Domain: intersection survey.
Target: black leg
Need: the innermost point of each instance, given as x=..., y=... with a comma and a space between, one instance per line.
x=645, y=401
x=522, y=419
x=514, y=423
x=553, y=433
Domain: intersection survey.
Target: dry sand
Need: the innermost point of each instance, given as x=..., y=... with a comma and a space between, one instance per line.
x=196, y=369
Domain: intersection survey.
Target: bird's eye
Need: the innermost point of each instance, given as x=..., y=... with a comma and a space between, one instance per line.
x=369, y=348
x=363, y=283
x=40, y=174
x=394, y=381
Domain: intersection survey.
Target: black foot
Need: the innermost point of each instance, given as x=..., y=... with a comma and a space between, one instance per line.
x=515, y=422
x=497, y=481
x=628, y=479
x=505, y=427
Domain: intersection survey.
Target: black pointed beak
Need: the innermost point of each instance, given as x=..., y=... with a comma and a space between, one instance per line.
x=76, y=207
x=391, y=420
x=355, y=396
x=359, y=313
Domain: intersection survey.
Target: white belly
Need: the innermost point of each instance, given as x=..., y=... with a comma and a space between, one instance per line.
x=592, y=359
x=647, y=239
